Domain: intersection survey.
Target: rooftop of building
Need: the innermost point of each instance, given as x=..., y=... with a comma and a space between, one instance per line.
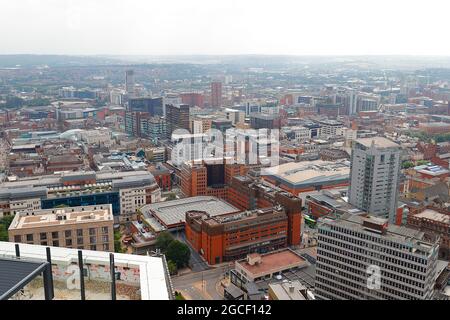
x=297, y=174
x=430, y=169
x=258, y=265
x=153, y=280
x=399, y=234
x=379, y=142
x=264, y=116
x=288, y=290
x=331, y=122
x=241, y=216
x=174, y=212
x=434, y=215
x=62, y=216
x=58, y=179
x=434, y=124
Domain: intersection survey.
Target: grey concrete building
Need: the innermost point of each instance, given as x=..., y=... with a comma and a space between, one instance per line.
x=374, y=176
x=365, y=258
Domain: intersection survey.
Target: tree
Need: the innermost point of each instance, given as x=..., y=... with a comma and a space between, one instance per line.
x=422, y=162
x=171, y=196
x=5, y=222
x=407, y=164
x=179, y=253
x=172, y=267
x=163, y=241
x=117, y=243
x=179, y=296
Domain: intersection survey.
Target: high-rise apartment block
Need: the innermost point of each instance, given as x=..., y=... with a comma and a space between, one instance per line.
x=129, y=82
x=374, y=176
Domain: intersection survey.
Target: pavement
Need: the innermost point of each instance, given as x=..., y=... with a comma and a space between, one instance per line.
x=196, y=263
x=204, y=285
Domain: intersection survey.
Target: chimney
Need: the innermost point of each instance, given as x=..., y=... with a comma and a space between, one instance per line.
x=291, y=287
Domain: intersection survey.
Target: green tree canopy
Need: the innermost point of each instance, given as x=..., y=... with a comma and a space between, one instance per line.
x=407, y=164
x=179, y=253
x=172, y=267
x=5, y=222
x=163, y=241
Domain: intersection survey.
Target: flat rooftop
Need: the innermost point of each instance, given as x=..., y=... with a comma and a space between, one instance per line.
x=154, y=282
x=399, y=234
x=434, y=215
x=297, y=174
x=432, y=170
x=380, y=142
x=172, y=213
x=282, y=290
x=273, y=262
x=63, y=216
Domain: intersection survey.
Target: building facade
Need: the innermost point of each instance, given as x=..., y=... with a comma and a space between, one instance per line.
x=89, y=227
x=374, y=176
x=365, y=258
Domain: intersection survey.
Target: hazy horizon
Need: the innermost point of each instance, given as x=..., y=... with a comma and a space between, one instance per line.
x=225, y=28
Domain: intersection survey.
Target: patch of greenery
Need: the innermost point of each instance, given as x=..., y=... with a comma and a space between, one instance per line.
x=117, y=243
x=5, y=222
x=171, y=196
x=176, y=252
x=407, y=164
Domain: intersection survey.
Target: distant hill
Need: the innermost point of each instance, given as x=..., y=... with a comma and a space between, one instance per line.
x=33, y=61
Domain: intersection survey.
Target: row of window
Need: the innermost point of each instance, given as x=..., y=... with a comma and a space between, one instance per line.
x=67, y=234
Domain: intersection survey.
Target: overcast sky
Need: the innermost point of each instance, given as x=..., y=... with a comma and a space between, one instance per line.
x=157, y=27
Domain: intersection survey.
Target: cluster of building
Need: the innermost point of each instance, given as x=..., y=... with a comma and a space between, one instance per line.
x=362, y=177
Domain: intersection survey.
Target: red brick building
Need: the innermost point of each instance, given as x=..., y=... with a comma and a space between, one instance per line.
x=231, y=237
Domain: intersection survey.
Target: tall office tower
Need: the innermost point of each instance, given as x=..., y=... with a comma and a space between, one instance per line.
x=374, y=176
x=216, y=94
x=129, y=82
x=352, y=102
x=177, y=117
x=364, y=258
x=153, y=106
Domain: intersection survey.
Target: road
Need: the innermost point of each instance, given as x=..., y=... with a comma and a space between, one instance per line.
x=196, y=263
x=201, y=285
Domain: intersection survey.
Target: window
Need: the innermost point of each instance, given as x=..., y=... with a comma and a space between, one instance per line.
x=68, y=233
x=17, y=238
x=68, y=242
x=55, y=235
x=43, y=236
x=105, y=230
x=29, y=237
x=93, y=247
x=105, y=238
x=79, y=240
x=93, y=239
x=56, y=243
x=79, y=232
x=92, y=231
x=43, y=243
x=106, y=247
